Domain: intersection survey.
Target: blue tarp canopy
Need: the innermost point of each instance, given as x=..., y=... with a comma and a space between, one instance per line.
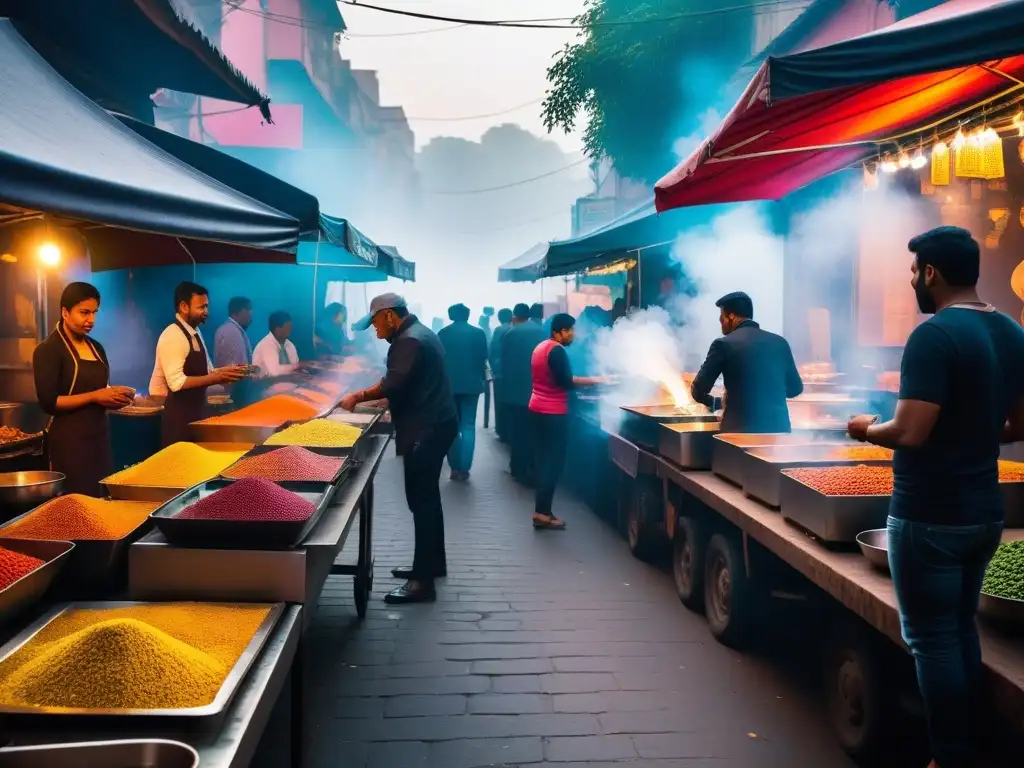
x=526, y=268
x=396, y=265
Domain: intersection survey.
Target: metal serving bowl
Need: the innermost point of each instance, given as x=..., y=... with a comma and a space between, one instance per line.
x=1004, y=611
x=875, y=546
x=25, y=489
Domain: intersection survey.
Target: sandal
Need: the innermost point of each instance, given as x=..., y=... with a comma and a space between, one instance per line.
x=550, y=523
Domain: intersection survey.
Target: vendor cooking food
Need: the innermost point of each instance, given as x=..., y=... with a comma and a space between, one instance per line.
x=182, y=372
x=72, y=378
x=757, y=368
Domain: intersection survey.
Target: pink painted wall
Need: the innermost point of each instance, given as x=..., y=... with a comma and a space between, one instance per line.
x=856, y=17
x=243, y=40
x=285, y=41
x=247, y=129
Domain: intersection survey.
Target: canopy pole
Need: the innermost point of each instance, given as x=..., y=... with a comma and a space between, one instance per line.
x=193, y=258
x=639, y=279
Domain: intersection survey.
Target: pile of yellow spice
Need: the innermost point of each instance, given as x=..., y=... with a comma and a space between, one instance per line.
x=155, y=656
x=180, y=465
x=319, y=433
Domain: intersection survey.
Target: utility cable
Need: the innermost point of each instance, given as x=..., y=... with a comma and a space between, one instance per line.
x=464, y=118
x=510, y=185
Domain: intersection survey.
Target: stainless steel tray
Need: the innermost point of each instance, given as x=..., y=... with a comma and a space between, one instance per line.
x=333, y=453
x=239, y=534
x=220, y=703
x=30, y=588
x=130, y=753
x=689, y=445
x=760, y=469
x=833, y=519
x=238, y=433
x=874, y=545
x=28, y=443
x=161, y=493
x=92, y=561
x=727, y=454
x=1003, y=611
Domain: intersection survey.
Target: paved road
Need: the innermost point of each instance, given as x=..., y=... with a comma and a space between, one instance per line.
x=544, y=648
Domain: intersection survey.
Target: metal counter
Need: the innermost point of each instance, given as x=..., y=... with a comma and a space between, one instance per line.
x=233, y=745
x=160, y=571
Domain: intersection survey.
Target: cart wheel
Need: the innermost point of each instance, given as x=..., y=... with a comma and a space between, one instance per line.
x=853, y=688
x=687, y=564
x=641, y=536
x=728, y=598
x=361, y=589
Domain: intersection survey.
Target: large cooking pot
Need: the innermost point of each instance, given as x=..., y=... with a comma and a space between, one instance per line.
x=28, y=489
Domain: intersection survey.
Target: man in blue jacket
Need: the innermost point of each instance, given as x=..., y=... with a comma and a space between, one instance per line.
x=465, y=360
x=517, y=386
x=494, y=357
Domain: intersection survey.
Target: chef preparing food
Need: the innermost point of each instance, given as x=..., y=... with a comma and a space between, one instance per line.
x=757, y=368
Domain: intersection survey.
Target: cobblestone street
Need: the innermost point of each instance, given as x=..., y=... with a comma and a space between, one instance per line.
x=544, y=648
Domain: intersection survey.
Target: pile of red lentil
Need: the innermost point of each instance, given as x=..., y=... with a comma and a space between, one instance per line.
x=14, y=565
x=251, y=499
x=291, y=463
x=861, y=480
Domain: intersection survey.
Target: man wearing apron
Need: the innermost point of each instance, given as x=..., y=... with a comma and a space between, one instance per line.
x=182, y=372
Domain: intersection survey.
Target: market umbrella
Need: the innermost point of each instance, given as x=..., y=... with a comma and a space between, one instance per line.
x=813, y=113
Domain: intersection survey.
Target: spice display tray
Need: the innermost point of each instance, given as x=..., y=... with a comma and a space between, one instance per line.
x=92, y=561
x=30, y=588
x=235, y=677
x=729, y=447
x=239, y=534
x=688, y=444
x=1003, y=611
x=760, y=469
x=129, y=753
x=832, y=519
x=333, y=453
x=161, y=493
x=240, y=433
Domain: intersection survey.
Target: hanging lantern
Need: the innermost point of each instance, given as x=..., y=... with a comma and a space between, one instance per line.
x=968, y=158
x=918, y=161
x=888, y=165
x=904, y=160
x=992, y=166
x=940, y=165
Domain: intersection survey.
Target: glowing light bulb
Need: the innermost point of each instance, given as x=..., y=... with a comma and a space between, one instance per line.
x=888, y=165
x=940, y=148
x=49, y=254
x=959, y=140
x=989, y=137
x=904, y=161
x=1018, y=123
x=919, y=160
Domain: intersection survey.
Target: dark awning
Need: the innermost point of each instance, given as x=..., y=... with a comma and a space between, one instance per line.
x=63, y=155
x=396, y=265
x=120, y=52
x=810, y=114
x=525, y=268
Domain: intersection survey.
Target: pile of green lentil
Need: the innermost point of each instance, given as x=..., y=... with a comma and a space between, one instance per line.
x=1005, y=574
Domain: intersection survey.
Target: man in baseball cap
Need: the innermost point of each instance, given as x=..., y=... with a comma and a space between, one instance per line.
x=419, y=396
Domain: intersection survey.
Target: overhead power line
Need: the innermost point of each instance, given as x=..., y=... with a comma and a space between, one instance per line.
x=412, y=33
x=474, y=117
x=510, y=185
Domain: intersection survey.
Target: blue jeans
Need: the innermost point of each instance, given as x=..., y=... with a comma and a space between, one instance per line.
x=460, y=455
x=937, y=571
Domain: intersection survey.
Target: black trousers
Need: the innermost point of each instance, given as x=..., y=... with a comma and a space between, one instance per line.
x=520, y=441
x=550, y=442
x=422, y=465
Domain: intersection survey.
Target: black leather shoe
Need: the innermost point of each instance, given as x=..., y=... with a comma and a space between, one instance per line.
x=406, y=573
x=409, y=594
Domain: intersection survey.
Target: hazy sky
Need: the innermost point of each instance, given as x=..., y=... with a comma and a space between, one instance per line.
x=462, y=70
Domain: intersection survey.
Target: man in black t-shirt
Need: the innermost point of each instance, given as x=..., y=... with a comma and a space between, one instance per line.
x=961, y=395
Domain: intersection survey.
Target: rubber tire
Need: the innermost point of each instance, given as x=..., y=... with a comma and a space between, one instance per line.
x=689, y=580
x=639, y=538
x=856, y=701
x=728, y=594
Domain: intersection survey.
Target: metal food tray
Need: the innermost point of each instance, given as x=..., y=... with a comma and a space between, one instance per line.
x=642, y=423
x=92, y=560
x=760, y=469
x=162, y=493
x=30, y=442
x=833, y=519
x=729, y=447
x=241, y=433
x=216, y=708
x=1004, y=611
x=874, y=545
x=332, y=453
x=239, y=534
x=30, y=588
x=689, y=445
x=128, y=753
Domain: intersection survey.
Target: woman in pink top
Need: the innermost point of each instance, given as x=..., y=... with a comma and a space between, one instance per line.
x=549, y=413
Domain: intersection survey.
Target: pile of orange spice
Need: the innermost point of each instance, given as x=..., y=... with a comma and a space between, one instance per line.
x=271, y=412
x=1011, y=471
x=860, y=480
x=860, y=453
x=80, y=518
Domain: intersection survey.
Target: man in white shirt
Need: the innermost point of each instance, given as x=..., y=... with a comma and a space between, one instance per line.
x=275, y=355
x=182, y=371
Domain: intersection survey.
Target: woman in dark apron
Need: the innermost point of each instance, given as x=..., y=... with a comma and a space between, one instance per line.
x=72, y=384
x=186, y=405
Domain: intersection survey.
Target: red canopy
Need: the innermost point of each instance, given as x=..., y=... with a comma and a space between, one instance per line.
x=813, y=113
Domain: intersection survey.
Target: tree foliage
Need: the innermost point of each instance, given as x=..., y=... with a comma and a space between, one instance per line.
x=640, y=74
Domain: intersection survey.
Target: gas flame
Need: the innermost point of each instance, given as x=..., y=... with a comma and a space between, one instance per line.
x=674, y=384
